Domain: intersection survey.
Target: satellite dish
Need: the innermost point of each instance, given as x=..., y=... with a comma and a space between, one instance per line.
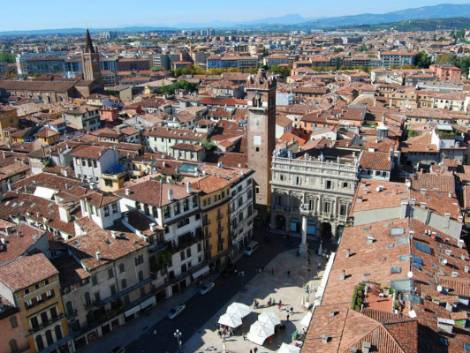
x=410, y=274
x=439, y=288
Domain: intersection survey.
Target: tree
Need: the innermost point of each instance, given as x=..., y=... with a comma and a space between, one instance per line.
x=445, y=59
x=7, y=57
x=183, y=85
x=363, y=47
x=423, y=60
x=282, y=71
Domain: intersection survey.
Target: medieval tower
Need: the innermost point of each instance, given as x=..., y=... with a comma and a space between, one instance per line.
x=261, y=96
x=90, y=61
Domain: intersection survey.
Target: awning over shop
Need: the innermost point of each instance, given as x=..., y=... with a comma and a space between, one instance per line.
x=203, y=271
x=132, y=311
x=147, y=303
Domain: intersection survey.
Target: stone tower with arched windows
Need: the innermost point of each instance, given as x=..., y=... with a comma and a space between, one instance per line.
x=261, y=139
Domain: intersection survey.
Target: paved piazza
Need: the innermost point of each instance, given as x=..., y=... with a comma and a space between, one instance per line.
x=287, y=284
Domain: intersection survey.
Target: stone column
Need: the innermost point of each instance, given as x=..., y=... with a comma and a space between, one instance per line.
x=303, y=243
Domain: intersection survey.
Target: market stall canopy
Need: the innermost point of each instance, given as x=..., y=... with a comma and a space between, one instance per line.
x=270, y=318
x=231, y=320
x=259, y=332
x=288, y=348
x=239, y=309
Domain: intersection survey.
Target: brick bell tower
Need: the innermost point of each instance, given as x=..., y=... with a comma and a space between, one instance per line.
x=91, y=62
x=261, y=95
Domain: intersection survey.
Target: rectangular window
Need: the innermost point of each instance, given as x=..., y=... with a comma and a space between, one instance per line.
x=124, y=283
x=121, y=268
x=110, y=273
x=182, y=255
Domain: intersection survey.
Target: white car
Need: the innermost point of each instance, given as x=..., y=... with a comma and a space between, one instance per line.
x=176, y=311
x=206, y=288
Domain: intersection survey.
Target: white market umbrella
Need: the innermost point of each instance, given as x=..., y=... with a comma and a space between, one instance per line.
x=306, y=319
x=288, y=348
x=230, y=320
x=259, y=331
x=270, y=318
x=239, y=309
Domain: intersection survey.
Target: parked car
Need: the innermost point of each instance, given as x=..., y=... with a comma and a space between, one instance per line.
x=174, y=312
x=251, y=248
x=206, y=288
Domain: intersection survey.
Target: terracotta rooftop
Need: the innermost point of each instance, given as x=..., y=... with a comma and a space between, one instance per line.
x=153, y=192
x=17, y=274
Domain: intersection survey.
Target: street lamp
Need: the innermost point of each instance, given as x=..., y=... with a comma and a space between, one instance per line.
x=178, y=335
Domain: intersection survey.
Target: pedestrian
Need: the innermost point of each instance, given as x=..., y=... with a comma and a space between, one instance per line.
x=251, y=351
x=288, y=273
x=244, y=337
x=288, y=317
x=255, y=350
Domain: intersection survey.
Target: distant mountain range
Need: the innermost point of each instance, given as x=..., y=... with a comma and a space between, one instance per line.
x=295, y=21
x=298, y=21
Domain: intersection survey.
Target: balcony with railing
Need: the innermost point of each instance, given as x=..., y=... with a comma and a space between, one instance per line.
x=50, y=321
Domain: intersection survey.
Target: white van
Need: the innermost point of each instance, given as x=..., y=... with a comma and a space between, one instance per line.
x=251, y=248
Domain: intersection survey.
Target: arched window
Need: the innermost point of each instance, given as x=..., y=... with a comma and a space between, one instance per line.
x=49, y=338
x=39, y=343
x=58, y=332
x=13, y=346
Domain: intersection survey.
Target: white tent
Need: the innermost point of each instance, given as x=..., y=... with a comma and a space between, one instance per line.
x=306, y=319
x=231, y=320
x=239, y=309
x=288, y=348
x=259, y=331
x=270, y=318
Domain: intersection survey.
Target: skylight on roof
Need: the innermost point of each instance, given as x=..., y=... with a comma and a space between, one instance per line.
x=397, y=231
x=417, y=261
x=423, y=247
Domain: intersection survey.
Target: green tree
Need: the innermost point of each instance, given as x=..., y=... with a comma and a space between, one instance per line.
x=7, y=57
x=282, y=71
x=363, y=47
x=423, y=60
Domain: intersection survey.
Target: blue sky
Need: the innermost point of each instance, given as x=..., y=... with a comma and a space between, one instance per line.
x=41, y=14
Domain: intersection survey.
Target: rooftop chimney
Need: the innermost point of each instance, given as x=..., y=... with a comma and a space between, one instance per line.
x=170, y=194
